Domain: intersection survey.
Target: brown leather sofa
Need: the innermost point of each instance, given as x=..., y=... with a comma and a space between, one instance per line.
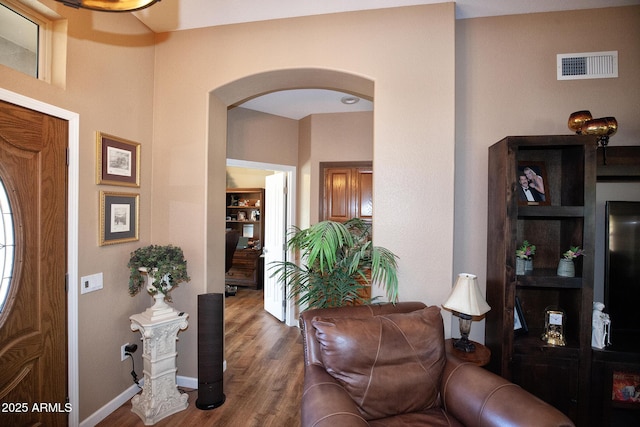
x=386, y=365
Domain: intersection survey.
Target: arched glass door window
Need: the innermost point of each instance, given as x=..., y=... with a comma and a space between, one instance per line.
x=7, y=245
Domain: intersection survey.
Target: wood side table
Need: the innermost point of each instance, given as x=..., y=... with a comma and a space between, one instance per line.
x=480, y=357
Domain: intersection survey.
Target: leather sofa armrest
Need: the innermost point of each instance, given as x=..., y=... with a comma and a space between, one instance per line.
x=325, y=403
x=477, y=397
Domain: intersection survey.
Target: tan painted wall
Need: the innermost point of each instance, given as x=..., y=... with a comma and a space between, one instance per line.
x=404, y=95
x=260, y=137
x=238, y=177
x=506, y=85
x=110, y=66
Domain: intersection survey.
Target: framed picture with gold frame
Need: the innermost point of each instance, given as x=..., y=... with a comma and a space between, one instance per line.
x=118, y=161
x=118, y=217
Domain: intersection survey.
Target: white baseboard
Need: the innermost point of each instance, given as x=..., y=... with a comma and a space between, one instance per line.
x=111, y=406
x=188, y=382
x=122, y=398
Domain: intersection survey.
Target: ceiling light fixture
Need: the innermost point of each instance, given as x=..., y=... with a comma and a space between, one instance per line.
x=349, y=100
x=109, y=5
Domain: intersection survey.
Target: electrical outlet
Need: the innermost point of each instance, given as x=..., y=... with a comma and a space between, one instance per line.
x=90, y=283
x=123, y=352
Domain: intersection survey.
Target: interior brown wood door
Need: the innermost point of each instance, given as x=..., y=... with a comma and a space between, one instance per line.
x=347, y=192
x=33, y=339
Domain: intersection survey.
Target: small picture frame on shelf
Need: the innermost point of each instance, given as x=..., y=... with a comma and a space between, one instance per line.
x=519, y=323
x=532, y=185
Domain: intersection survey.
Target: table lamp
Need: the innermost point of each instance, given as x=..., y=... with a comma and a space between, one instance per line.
x=465, y=302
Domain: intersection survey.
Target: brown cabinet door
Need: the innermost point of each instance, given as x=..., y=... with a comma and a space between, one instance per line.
x=347, y=193
x=338, y=196
x=364, y=193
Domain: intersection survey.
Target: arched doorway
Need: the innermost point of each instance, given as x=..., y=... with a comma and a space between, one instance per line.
x=235, y=93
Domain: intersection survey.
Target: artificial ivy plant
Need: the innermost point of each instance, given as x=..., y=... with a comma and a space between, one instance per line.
x=165, y=264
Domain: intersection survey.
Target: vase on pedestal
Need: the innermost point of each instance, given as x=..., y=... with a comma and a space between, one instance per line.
x=566, y=268
x=158, y=269
x=160, y=309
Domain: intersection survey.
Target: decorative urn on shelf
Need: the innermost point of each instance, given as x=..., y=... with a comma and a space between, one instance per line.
x=164, y=267
x=566, y=267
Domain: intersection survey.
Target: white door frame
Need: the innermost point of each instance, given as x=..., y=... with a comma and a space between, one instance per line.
x=72, y=236
x=291, y=315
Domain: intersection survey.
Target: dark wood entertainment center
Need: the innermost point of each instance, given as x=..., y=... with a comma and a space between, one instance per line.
x=575, y=378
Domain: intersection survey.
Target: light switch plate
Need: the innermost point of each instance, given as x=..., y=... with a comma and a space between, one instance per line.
x=90, y=283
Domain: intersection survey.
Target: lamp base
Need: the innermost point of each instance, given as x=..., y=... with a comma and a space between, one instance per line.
x=463, y=344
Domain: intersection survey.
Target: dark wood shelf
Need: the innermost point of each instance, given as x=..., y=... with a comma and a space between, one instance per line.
x=550, y=211
x=235, y=221
x=548, y=278
x=623, y=163
x=533, y=344
x=568, y=220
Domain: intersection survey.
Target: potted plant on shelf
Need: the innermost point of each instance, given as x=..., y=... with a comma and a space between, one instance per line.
x=338, y=261
x=566, y=267
x=164, y=266
x=524, y=257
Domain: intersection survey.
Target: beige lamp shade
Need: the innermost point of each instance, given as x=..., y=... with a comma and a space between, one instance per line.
x=109, y=5
x=466, y=297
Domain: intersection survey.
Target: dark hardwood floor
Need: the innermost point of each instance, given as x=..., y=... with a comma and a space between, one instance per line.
x=263, y=379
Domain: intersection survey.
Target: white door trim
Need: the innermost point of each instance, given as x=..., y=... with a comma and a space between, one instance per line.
x=291, y=314
x=72, y=236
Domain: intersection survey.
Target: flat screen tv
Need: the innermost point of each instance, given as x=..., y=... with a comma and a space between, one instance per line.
x=622, y=274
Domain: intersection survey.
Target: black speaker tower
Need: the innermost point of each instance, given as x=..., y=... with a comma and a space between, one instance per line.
x=210, y=351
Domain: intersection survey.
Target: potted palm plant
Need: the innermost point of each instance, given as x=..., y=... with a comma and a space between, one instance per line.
x=338, y=261
x=165, y=267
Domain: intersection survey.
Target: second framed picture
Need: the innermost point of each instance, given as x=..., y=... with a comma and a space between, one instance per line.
x=119, y=221
x=118, y=161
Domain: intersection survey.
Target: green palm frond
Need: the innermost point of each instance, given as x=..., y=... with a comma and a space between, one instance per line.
x=337, y=262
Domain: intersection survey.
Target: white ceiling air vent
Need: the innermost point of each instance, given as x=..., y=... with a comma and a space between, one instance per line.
x=591, y=65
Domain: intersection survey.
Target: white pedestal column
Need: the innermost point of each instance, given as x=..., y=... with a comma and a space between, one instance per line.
x=160, y=396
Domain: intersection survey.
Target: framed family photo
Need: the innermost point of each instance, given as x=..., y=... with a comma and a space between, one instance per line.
x=118, y=217
x=532, y=185
x=118, y=161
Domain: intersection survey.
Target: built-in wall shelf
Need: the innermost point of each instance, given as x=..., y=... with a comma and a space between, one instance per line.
x=623, y=163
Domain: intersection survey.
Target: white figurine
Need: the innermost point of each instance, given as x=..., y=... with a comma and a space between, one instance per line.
x=600, y=324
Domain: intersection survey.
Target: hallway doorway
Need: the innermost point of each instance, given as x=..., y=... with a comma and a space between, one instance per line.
x=275, y=301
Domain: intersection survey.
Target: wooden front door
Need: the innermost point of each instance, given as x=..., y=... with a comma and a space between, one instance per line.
x=33, y=339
